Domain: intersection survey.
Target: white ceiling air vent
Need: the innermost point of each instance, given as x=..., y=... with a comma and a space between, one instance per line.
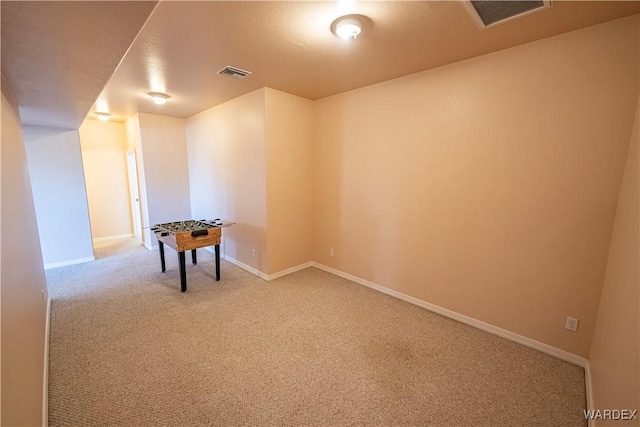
x=486, y=13
x=234, y=72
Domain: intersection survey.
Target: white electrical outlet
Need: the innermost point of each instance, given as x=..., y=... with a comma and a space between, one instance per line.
x=331, y=252
x=253, y=252
x=572, y=324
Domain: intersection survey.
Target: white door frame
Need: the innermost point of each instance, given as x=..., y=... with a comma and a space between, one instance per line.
x=132, y=171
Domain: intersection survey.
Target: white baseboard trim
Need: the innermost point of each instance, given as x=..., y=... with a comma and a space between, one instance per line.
x=260, y=274
x=45, y=375
x=244, y=266
x=589, y=388
x=69, y=262
x=105, y=239
x=289, y=271
x=544, y=348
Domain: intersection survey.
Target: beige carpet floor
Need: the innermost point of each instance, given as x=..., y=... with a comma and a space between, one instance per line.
x=310, y=349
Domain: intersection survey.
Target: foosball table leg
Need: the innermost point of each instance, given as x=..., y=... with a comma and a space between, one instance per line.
x=161, y=250
x=194, y=258
x=217, y=262
x=183, y=272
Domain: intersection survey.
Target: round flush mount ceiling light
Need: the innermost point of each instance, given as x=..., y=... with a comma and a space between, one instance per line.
x=103, y=116
x=159, y=98
x=348, y=27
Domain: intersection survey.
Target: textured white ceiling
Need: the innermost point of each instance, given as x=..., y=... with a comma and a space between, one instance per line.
x=287, y=45
x=58, y=56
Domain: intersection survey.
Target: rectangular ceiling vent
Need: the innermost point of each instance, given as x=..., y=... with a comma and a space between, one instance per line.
x=234, y=72
x=486, y=13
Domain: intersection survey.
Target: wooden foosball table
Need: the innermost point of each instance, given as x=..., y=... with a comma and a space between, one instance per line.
x=190, y=235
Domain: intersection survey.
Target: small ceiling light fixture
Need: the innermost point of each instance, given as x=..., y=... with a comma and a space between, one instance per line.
x=159, y=98
x=103, y=116
x=347, y=27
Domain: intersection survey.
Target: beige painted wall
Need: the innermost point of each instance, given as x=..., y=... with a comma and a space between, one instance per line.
x=104, y=146
x=487, y=187
x=227, y=166
x=615, y=350
x=134, y=143
x=164, y=165
x=207, y=167
x=289, y=163
x=250, y=161
x=59, y=195
x=23, y=286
